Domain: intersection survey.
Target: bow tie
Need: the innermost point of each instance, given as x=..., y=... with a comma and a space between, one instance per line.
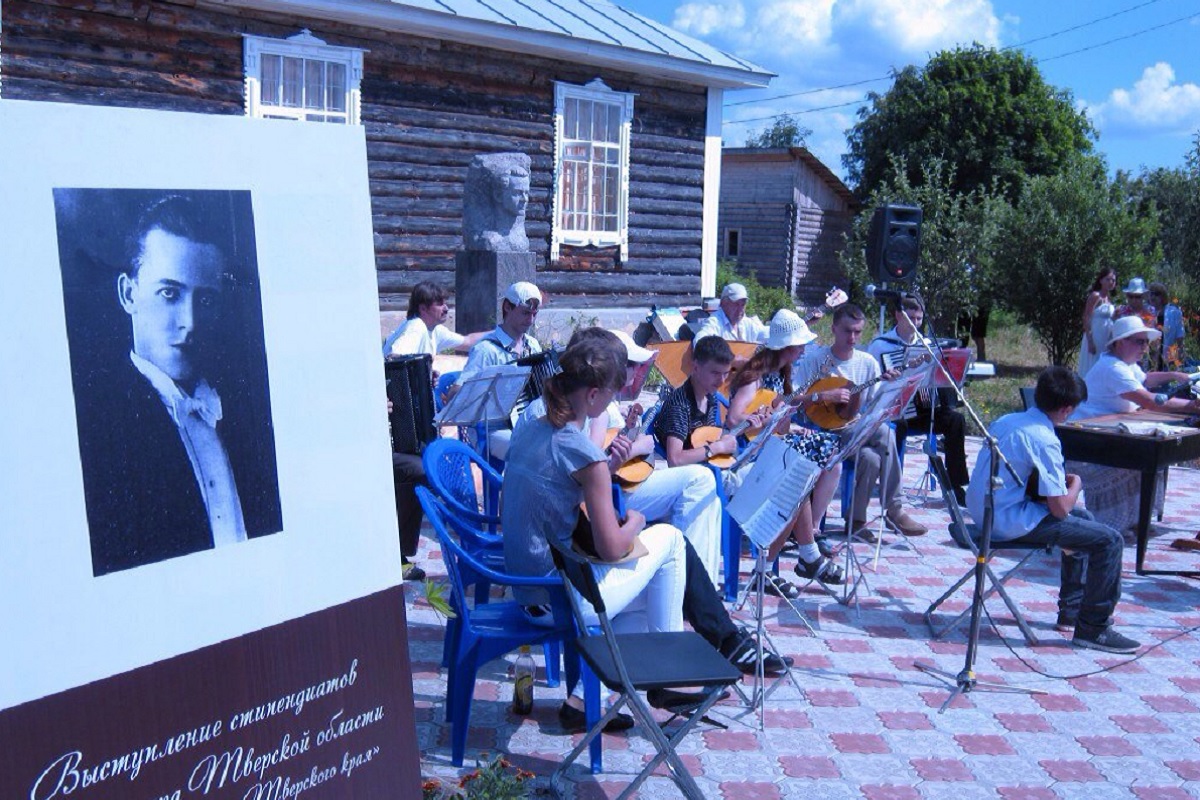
x=205, y=404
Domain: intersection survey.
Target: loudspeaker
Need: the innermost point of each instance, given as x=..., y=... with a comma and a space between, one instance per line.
x=894, y=243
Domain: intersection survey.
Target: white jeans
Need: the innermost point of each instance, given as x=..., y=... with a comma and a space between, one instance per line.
x=686, y=497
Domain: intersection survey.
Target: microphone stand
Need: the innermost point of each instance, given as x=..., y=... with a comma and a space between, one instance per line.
x=964, y=681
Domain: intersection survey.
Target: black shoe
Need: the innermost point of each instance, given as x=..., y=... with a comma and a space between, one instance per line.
x=678, y=702
x=775, y=586
x=823, y=545
x=822, y=570
x=1065, y=622
x=411, y=571
x=1107, y=640
x=744, y=656
x=960, y=496
x=574, y=720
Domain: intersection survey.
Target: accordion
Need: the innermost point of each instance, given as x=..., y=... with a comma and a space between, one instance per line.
x=410, y=388
x=542, y=366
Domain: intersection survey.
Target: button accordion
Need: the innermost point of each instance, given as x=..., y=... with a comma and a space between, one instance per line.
x=410, y=388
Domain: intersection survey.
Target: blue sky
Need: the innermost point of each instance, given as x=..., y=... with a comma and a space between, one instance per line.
x=1141, y=90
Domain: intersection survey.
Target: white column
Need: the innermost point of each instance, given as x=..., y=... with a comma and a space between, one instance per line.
x=712, y=192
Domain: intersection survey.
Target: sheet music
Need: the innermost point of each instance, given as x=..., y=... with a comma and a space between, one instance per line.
x=752, y=450
x=772, y=491
x=487, y=396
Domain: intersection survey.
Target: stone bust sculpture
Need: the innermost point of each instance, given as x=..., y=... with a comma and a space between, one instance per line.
x=494, y=201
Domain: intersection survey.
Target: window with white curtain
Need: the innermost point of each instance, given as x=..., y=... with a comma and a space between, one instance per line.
x=302, y=78
x=591, y=166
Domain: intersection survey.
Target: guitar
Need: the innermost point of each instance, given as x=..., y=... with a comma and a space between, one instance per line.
x=832, y=416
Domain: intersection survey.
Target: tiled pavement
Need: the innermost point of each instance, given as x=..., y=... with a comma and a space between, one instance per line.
x=867, y=723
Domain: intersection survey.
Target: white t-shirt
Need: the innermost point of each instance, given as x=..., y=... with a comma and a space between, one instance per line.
x=1107, y=380
x=818, y=362
x=414, y=338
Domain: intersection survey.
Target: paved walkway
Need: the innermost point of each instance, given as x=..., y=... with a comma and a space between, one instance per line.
x=867, y=723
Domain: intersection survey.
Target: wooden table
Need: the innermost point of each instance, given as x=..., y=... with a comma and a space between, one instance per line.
x=1099, y=440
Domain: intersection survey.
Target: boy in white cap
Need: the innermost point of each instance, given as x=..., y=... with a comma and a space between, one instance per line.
x=510, y=340
x=730, y=321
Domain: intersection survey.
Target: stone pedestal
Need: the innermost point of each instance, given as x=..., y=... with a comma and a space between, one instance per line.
x=480, y=277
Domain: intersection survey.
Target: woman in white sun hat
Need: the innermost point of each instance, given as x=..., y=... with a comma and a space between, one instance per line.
x=771, y=368
x=1118, y=385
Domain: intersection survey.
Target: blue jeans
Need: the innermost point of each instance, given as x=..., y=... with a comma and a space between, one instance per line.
x=1091, y=572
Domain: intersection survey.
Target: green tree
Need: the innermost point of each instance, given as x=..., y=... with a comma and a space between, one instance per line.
x=784, y=132
x=958, y=233
x=1173, y=194
x=1056, y=236
x=987, y=113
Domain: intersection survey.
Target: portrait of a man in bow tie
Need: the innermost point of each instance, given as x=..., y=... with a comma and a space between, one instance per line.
x=177, y=452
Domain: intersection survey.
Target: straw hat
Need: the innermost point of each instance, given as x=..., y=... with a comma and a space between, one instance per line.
x=788, y=329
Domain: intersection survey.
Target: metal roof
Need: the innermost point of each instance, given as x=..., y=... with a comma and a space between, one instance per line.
x=586, y=31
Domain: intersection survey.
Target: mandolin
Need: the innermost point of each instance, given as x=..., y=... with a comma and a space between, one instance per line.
x=832, y=416
x=707, y=434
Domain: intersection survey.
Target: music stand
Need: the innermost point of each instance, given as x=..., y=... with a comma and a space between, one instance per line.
x=763, y=506
x=965, y=681
x=487, y=396
x=884, y=405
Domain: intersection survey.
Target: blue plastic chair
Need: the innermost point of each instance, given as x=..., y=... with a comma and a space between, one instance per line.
x=444, y=382
x=486, y=631
x=447, y=465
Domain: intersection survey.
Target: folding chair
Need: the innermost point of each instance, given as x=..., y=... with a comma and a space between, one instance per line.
x=633, y=662
x=965, y=535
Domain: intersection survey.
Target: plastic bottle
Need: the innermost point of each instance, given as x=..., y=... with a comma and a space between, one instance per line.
x=523, y=671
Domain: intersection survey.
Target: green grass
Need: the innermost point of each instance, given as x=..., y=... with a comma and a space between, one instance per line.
x=1018, y=357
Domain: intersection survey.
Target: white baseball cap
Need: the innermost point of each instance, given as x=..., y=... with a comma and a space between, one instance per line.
x=633, y=351
x=788, y=329
x=523, y=293
x=734, y=292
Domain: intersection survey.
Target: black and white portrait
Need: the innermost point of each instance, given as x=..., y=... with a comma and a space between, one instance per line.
x=168, y=364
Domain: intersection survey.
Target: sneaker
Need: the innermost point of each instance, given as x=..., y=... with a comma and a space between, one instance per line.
x=1107, y=640
x=908, y=526
x=775, y=586
x=822, y=570
x=411, y=571
x=574, y=720
x=1065, y=622
x=744, y=656
x=823, y=545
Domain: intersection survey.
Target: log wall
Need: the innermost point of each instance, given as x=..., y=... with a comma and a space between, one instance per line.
x=428, y=106
x=792, y=223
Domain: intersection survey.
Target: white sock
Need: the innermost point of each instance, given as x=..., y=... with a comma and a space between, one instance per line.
x=809, y=552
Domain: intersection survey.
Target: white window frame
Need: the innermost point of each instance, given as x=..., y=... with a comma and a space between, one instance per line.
x=596, y=91
x=730, y=233
x=302, y=45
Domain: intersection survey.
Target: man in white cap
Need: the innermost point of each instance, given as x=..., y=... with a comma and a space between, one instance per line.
x=510, y=340
x=730, y=321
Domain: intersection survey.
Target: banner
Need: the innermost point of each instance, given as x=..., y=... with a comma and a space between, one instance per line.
x=199, y=564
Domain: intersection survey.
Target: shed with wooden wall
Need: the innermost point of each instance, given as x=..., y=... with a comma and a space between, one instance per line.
x=784, y=216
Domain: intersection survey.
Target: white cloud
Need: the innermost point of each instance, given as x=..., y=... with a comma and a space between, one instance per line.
x=1156, y=102
x=795, y=23
x=917, y=28
x=704, y=19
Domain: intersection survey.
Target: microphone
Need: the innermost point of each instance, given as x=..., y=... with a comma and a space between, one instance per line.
x=886, y=294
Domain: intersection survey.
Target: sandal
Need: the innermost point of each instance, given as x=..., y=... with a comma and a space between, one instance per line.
x=1186, y=544
x=775, y=586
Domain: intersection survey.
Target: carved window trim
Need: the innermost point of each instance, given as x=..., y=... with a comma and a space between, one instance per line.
x=315, y=54
x=560, y=233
